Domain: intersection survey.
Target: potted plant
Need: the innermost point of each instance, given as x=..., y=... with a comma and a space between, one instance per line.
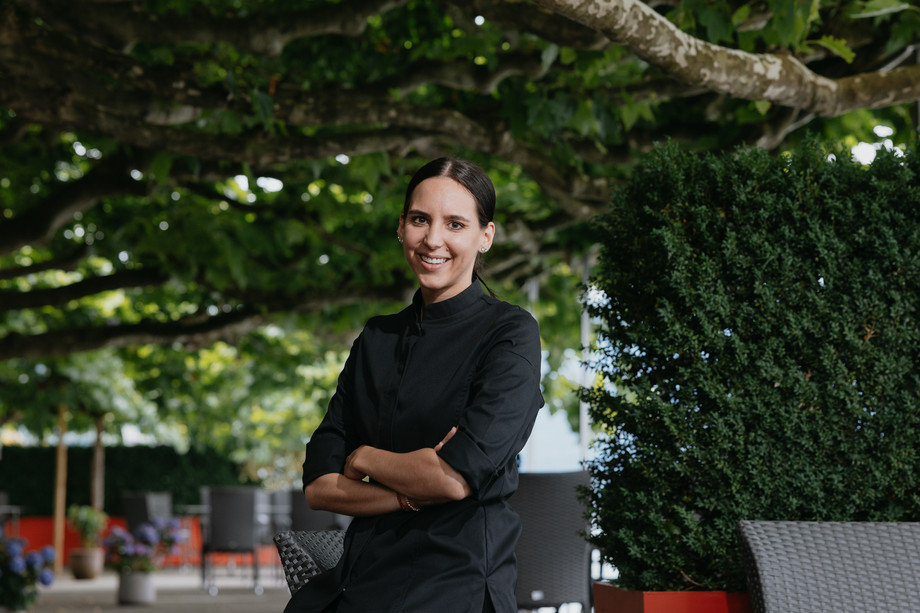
x=751, y=353
x=21, y=572
x=86, y=562
x=136, y=555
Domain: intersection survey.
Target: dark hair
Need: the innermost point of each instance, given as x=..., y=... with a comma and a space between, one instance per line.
x=471, y=177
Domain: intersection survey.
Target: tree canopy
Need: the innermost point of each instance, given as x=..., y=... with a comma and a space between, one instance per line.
x=226, y=176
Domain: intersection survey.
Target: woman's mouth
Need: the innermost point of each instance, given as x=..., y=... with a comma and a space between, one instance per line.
x=430, y=260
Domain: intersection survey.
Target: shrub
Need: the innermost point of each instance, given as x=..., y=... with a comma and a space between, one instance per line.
x=88, y=522
x=760, y=355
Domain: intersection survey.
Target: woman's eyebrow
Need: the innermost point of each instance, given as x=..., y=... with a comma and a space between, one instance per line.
x=414, y=212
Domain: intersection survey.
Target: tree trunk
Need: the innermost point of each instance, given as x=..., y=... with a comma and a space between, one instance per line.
x=60, y=491
x=97, y=475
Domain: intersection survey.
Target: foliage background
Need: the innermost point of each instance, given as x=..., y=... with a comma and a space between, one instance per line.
x=760, y=355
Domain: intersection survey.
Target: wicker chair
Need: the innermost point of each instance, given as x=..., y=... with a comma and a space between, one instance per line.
x=233, y=525
x=831, y=567
x=142, y=507
x=305, y=553
x=553, y=557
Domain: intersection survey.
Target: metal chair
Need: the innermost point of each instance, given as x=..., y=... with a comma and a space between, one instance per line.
x=553, y=557
x=233, y=526
x=831, y=567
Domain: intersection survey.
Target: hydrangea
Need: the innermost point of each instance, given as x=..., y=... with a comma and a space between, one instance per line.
x=21, y=572
x=143, y=550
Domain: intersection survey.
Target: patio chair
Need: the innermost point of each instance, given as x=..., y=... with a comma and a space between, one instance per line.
x=553, y=557
x=143, y=507
x=831, y=567
x=305, y=553
x=233, y=526
x=305, y=518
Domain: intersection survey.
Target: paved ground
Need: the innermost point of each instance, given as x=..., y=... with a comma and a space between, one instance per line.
x=177, y=592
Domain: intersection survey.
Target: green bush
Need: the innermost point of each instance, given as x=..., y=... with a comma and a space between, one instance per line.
x=88, y=522
x=759, y=355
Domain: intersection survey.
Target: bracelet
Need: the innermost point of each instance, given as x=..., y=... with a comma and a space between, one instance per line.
x=405, y=504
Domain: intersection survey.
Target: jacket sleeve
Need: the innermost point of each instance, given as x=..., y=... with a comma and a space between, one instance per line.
x=504, y=400
x=334, y=439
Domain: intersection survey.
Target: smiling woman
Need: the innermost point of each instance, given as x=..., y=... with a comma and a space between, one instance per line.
x=444, y=231
x=433, y=406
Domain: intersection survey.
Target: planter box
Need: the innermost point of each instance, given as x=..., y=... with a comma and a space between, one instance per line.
x=611, y=599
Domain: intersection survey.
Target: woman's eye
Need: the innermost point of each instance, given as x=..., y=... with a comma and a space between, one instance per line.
x=455, y=225
x=418, y=219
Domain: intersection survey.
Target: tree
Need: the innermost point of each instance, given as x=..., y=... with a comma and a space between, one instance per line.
x=176, y=173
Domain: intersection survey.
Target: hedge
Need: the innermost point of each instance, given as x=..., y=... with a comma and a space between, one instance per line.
x=27, y=474
x=759, y=358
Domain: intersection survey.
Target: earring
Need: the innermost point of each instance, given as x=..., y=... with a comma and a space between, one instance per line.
x=399, y=238
x=483, y=249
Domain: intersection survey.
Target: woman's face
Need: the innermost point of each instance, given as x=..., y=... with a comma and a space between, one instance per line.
x=441, y=237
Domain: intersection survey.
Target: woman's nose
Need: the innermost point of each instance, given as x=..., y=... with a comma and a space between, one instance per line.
x=433, y=237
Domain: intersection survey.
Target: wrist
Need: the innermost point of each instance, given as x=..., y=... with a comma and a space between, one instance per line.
x=407, y=504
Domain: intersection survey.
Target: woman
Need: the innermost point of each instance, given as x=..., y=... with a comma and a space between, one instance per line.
x=431, y=409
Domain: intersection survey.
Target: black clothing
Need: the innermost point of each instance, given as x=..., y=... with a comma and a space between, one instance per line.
x=474, y=362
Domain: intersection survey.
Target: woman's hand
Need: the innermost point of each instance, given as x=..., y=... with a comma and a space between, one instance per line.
x=351, y=471
x=450, y=435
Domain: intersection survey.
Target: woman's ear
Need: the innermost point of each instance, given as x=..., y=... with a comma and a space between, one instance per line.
x=488, y=234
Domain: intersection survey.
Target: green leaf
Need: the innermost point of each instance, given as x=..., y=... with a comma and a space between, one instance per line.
x=159, y=167
x=263, y=105
x=717, y=22
x=837, y=46
x=741, y=15
x=880, y=8
x=762, y=106
x=549, y=56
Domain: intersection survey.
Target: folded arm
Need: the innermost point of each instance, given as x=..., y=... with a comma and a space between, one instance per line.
x=421, y=475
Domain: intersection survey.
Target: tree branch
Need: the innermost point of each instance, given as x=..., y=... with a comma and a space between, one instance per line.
x=38, y=224
x=60, y=296
x=781, y=79
x=68, y=261
x=193, y=332
x=123, y=25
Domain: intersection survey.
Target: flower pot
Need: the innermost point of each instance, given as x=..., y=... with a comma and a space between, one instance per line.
x=611, y=599
x=136, y=588
x=86, y=563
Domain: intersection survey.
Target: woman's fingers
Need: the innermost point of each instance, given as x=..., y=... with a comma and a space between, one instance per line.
x=450, y=435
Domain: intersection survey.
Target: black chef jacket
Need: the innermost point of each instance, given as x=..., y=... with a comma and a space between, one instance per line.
x=474, y=362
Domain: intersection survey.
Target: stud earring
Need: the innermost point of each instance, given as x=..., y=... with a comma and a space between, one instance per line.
x=399, y=238
x=483, y=249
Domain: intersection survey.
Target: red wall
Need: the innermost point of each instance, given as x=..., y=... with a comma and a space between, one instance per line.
x=39, y=531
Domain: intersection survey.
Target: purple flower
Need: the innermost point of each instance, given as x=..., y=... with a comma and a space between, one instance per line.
x=45, y=576
x=34, y=559
x=148, y=534
x=48, y=554
x=18, y=565
x=14, y=547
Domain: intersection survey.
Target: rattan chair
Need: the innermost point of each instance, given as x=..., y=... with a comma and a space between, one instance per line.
x=831, y=567
x=303, y=518
x=234, y=525
x=143, y=507
x=305, y=553
x=553, y=557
